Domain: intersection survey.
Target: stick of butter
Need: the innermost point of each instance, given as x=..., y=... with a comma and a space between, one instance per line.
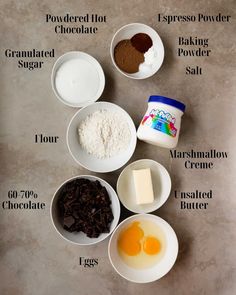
x=143, y=186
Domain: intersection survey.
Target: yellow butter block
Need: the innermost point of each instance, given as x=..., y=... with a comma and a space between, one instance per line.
x=143, y=186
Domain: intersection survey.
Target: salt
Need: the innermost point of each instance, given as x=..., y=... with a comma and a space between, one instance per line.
x=149, y=59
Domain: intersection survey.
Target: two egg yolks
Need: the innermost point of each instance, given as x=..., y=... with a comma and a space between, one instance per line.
x=130, y=241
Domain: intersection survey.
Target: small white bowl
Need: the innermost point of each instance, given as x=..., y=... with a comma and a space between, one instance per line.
x=151, y=274
x=80, y=238
x=89, y=161
x=161, y=186
x=93, y=64
x=127, y=32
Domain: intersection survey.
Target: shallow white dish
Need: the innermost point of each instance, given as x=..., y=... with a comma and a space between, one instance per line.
x=161, y=186
x=91, y=64
x=89, y=161
x=80, y=238
x=127, y=32
x=151, y=274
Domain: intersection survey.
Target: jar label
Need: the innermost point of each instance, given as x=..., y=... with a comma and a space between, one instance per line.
x=161, y=121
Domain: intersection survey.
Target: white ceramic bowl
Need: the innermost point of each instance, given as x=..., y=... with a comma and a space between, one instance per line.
x=161, y=186
x=127, y=32
x=89, y=161
x=92, y=64
x=80, y=238
x=151, y=274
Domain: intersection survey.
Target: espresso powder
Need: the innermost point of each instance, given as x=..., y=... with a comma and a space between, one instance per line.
x=142, y=42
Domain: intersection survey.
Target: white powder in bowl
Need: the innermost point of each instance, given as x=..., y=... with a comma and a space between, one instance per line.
x=77, y=81
x=149, y=60
x=104, y=134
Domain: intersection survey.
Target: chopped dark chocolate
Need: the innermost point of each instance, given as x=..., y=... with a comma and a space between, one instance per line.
x=85, y=205
x=68, y=221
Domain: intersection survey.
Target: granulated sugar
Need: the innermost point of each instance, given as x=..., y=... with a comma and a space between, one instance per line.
x=104, y=134
x=77, y=81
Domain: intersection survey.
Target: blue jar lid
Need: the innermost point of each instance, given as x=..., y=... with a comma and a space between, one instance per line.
x=172, y=102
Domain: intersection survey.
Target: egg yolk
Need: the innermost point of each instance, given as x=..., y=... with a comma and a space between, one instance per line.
x=129, y=239
x=151, y=246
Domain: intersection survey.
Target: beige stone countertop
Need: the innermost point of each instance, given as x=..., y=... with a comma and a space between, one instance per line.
x=35, y=260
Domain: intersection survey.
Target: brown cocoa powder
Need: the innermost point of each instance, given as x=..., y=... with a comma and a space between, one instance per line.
x=127, y=57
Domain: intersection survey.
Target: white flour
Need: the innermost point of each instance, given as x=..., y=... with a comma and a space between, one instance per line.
x=104, y=134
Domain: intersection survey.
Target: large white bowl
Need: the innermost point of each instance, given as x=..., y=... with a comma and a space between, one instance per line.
x=151, y=274
x=160, y=180
x=89, y=161
x=127, y=32
x=80, y=238
x=92, y=62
